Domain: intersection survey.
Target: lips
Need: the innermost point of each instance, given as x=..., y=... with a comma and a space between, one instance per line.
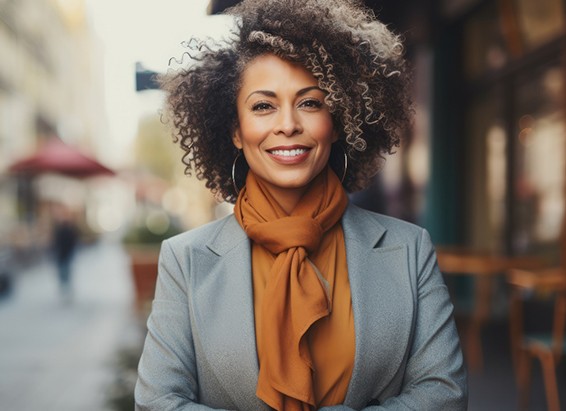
x=290, y=154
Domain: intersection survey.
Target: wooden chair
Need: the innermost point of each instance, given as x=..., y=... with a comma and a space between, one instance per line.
x=483, y=267
x=548, y=348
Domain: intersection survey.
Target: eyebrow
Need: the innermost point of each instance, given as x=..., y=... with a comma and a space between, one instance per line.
x=269, y=93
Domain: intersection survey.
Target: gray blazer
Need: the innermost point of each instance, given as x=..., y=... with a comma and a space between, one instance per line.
x=200, y=351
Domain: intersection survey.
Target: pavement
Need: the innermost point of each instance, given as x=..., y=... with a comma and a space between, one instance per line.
x=60, y=352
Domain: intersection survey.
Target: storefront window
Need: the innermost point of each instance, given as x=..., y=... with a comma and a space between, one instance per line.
x=539, y=159
x=539, y=21
x=484, y=42
x=486, y=154
x=505, y=30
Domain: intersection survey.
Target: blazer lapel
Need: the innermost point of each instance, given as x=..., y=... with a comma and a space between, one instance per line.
x=382, y=303
x=224, y=314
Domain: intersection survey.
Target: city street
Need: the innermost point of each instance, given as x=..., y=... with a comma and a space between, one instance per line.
x=59, y=353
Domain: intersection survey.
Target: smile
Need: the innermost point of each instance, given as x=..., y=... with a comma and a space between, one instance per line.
x=289, y=153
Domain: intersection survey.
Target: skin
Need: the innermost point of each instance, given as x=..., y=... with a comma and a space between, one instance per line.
x=284, y=127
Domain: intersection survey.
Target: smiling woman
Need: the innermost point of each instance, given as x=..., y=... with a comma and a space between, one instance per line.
x=299, y=300
x=284, y=126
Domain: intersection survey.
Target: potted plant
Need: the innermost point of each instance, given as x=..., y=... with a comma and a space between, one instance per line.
x=142, y=242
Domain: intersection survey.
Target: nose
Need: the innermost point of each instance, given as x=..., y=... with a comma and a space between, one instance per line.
x=288, y=123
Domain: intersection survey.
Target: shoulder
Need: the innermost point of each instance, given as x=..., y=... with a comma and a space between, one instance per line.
x=218, y=233
x=361, y=223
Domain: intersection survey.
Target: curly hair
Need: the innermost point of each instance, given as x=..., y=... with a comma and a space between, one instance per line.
x=355, y=58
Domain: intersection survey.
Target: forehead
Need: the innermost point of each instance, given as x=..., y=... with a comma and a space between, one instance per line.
x=268, y=70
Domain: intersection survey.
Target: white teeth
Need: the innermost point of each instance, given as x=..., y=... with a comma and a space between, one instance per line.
x=289, y=153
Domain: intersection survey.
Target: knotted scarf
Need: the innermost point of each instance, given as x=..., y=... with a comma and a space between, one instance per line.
x=296, y=294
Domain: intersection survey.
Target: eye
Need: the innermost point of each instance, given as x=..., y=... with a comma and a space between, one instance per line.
x=311, y=103
x=262, y=106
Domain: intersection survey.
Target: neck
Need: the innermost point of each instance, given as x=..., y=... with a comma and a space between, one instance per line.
x=288, y=198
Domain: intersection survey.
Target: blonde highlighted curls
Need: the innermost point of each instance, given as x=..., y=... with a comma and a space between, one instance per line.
x=279, y=45
x=353, y=56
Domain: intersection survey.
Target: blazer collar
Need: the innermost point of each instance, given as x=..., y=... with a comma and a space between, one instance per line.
x=359, y=228
x=227, y=236
x=355, y=223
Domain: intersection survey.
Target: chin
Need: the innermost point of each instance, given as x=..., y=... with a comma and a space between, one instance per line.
x=293, y=183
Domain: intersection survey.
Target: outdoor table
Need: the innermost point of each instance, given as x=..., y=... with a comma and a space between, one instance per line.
x=484, y=267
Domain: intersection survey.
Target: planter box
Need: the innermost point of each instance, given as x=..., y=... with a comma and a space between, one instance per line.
x=143, y=263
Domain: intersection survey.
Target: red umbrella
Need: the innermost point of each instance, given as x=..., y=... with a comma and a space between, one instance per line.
x=57, y=157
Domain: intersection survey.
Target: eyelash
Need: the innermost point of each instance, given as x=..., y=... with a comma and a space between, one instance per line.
x=262, y=106
x=313, y=103
x=308, y=103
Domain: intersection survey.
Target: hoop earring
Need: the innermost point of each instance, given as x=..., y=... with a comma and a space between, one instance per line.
x=236, y=189
x=345, y=168
x=345, y=165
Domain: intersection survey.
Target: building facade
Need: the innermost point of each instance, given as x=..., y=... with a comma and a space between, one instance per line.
x=50, y=85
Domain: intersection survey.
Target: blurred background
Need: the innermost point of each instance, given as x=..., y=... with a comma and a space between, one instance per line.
x=90, y=183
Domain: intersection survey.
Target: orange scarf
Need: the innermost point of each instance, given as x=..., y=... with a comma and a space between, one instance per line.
x=296, y=295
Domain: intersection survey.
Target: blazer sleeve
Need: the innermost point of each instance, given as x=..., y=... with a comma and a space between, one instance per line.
x=435, y=377
x=167, y=378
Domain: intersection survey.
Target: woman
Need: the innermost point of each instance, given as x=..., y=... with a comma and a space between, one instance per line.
x=299, y=300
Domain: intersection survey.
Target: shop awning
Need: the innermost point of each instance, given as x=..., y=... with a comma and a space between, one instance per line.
x=57, y=157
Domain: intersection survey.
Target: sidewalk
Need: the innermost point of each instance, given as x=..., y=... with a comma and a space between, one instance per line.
x=58, y=354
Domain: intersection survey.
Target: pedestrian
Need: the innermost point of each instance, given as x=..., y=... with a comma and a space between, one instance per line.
x=299, y=300
x=64, y=243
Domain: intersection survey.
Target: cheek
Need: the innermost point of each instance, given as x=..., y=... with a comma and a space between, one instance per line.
x=324, y=130
x=250, y=140
x=251, y=131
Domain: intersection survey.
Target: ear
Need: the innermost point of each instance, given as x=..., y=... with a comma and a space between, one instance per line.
x=237, y=140
x=335, y=135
